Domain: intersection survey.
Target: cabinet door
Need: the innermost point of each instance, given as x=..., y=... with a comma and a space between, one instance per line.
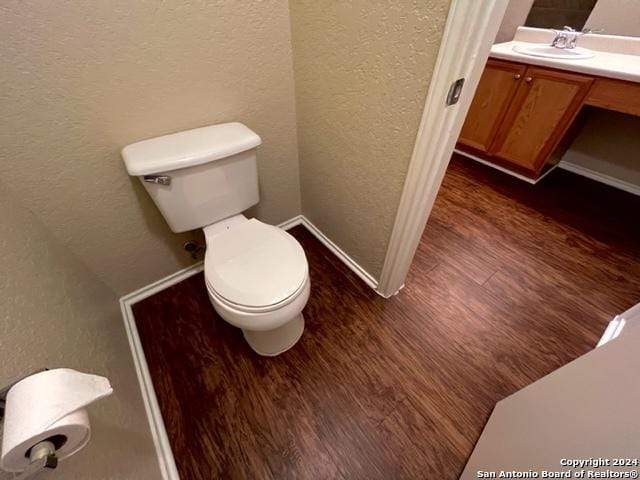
x=497, y=87
x=543, y=108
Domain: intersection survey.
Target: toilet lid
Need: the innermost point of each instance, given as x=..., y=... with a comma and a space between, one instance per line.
x=254, y=264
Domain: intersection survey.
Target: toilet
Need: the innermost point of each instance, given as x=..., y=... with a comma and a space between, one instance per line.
x=256, y=274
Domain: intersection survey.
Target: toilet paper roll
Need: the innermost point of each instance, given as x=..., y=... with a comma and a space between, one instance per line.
x=49, y=405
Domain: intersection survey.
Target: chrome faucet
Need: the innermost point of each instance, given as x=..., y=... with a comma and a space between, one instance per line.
x=568, y=37
x=561, y=39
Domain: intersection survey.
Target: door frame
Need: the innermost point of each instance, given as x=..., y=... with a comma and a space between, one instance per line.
x=469, y=33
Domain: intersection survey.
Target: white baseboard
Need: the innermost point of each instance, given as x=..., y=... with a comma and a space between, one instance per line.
x=158, y=432
x=505, y=170
x=365, y=276
x=564, y=165
x=292, y=222
x=166, y=461
x=600, y=177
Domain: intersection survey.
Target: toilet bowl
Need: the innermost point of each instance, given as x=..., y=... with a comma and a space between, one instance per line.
x=257, y=279
x=256, y=274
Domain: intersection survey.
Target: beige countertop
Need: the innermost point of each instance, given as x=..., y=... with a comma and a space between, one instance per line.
x=615, y=57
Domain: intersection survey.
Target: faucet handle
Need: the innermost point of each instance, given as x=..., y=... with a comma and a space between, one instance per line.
x=568, y=29
x=574, y=39
x=560, y=38
x=586, y=30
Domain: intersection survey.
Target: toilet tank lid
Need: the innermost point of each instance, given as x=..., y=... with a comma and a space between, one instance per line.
x=187, y=149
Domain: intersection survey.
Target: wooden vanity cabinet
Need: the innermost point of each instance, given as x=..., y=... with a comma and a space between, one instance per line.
x=520, y=113
x=544, y=106
x=496, y=89
x=617, y=95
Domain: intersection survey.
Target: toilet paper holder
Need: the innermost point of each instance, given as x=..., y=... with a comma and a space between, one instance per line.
x=43, y=454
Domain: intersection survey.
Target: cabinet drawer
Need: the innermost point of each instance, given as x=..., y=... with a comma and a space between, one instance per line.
x=615, y=95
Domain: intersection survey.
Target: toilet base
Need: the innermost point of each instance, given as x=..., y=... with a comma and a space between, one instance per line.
x=270, y=343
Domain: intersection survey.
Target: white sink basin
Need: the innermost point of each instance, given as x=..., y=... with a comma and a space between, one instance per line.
x=552, y=52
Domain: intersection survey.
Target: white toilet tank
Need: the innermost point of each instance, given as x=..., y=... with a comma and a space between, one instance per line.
x=200, y=176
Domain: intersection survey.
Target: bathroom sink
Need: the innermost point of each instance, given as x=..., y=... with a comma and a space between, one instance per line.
x=548, y=51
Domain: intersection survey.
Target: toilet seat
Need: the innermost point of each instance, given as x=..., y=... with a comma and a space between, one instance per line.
x=262, y=309
x=255, y=267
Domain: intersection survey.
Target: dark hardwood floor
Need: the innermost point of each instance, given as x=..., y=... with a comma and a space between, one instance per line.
x=510, y=282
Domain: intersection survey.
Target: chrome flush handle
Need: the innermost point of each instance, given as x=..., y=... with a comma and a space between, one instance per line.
x=159, y=179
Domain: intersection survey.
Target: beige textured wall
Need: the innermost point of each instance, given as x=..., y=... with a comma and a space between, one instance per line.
x=609, y=144
x=362, y=71
x=81, y=79
x=616, y=17
x=514, y=17
x=558, y=13
x=56, y=313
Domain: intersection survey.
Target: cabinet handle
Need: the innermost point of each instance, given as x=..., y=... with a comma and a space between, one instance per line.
x=517, y=76
x=528, y=79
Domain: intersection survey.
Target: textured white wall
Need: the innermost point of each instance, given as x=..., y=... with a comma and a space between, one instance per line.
x=56, y=313
x=362, y=72
x=81, y=79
